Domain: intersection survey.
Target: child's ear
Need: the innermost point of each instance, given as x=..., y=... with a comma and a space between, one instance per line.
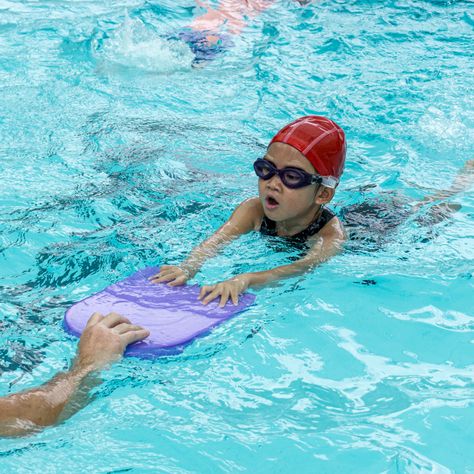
x=324, y=195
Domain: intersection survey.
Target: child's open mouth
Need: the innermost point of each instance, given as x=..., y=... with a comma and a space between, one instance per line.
x=271, y=203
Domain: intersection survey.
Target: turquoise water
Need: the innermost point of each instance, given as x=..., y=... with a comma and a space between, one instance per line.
x=116, y=154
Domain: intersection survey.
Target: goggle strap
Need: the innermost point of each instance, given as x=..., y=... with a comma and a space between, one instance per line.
x=329, y=181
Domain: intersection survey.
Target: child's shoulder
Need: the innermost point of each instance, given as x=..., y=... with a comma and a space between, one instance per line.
x=249, y=211
x=252, y=204
x=333, y=229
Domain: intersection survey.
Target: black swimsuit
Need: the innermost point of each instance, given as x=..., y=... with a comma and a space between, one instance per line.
x=268, y=227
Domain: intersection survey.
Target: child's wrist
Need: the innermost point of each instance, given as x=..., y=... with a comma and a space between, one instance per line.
x=247, y=280
x=188, y=270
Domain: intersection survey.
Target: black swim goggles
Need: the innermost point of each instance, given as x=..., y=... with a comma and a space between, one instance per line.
x=292, y=178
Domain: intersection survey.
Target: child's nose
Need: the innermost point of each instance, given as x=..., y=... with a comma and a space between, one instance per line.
x=274, y=182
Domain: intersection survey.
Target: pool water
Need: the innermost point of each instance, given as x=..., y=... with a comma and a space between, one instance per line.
x=116, y=153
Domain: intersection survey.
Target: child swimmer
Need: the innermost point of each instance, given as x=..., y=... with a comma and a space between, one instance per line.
x=211, y=33
x=298, y=176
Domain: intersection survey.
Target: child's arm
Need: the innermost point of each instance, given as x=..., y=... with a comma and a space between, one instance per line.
x=246, y=217
x=327, y=243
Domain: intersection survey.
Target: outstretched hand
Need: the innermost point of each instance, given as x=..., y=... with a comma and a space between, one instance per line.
x=171, y=274
x=105, y=339
x=229, y=289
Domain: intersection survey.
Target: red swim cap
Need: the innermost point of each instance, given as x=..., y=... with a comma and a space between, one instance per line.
x=321, y=141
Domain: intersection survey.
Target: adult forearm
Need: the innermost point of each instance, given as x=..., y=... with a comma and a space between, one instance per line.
x=103, y=341
x=29, y=410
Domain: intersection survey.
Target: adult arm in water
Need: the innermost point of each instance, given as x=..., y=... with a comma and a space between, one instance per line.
x=103, y=341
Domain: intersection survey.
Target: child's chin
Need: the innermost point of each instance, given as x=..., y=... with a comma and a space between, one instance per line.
x=271, y=212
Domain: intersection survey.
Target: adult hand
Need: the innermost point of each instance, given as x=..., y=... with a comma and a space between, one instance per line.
x=105, y=338
x=229, y=289
x=172, y=275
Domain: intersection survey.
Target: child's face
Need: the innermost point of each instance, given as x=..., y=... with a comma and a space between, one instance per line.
x=282, y=204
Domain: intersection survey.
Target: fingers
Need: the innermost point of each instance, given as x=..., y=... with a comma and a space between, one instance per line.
x=94, y=319
x=213, y=292
x=134, y=335
x=163, y=277
x=181, y=280
x=122, y=328
x=235, y=297
x=205, y=290
x=172, y=280
x=113, y=319
x=227, y=290
x=169, y=273
x=224, y=297
x=126, y=330
x=211, y=296
x=120, y=324
x=162, y=269
x=229, y=294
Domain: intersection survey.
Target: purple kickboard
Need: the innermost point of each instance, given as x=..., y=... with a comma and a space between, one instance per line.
x=173, y=315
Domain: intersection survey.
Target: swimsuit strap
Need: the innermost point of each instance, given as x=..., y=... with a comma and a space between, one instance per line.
x=268, y=227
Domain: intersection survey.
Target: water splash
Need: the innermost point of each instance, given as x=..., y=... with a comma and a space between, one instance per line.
x=134, y=45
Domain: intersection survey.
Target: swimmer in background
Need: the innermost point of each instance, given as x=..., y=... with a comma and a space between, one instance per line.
x=103, y=341
x=298, y=176
x=204, y=34
x=232, y=13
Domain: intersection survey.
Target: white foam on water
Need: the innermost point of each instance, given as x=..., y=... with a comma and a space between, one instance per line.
x=12, y=6
x=446, y=129
x=133, y=45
